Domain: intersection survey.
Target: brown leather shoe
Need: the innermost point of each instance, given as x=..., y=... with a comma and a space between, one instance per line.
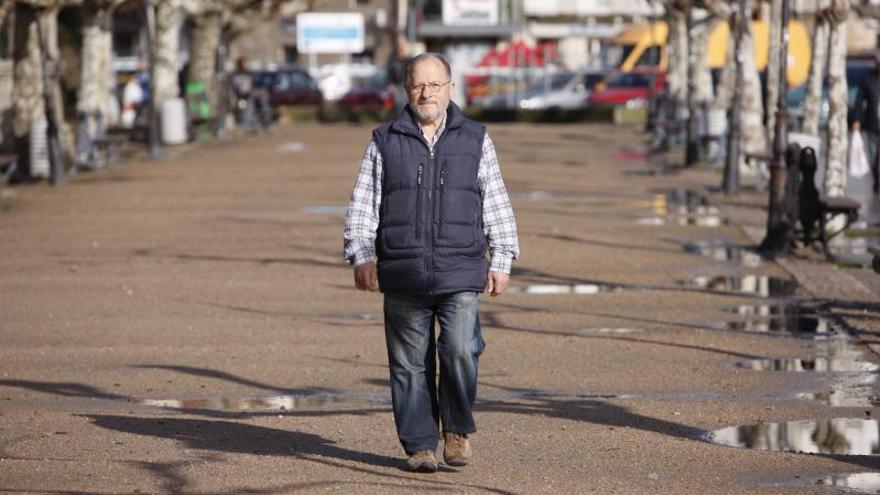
x=423, y=461
x=457, y=449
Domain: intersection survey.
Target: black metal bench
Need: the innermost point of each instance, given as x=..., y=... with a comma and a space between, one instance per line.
x=813, y=209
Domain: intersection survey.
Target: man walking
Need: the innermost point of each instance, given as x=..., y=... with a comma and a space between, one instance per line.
x=866, y=119
x=428, y=204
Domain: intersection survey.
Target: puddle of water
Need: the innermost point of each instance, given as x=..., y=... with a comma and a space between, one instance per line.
x=793, y=324
x=816, y=365
x=861, y=482
x=853, y=251
x=720, y=251
x=554, y=289
x=761, y=285
x=291, y=147
x=690, y=221
x=279, y=403
x=326, y=209
x=840, y=436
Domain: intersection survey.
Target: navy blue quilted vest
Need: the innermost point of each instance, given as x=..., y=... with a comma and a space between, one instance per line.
x=430, y=238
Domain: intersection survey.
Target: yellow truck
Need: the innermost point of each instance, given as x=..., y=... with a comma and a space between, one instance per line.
x=644, y=45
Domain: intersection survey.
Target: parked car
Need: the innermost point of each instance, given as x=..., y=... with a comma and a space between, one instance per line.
x=858, y=67
x=371, y=98
x=566, y=90
x=628, y=88
x=289, y=87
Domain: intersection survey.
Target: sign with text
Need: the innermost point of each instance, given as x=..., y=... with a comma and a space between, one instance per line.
x=470, y=12
x=330, y=32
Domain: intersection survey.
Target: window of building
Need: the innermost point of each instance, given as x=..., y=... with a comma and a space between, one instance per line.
x=650, y=57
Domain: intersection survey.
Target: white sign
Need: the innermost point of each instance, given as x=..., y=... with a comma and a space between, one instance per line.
x=470, y=12
x=330, y=32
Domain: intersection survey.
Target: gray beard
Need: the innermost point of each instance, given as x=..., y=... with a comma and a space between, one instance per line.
x=429, y=117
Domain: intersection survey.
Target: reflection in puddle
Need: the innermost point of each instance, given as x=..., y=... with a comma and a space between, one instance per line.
x=720, y=251
x=862, y=482
x=630, y=155
x=853, y=250
x=683, y=207
x=761, y=285
x=781, y=324
x=842, y=436
x=552, y=289
x=690, y=221
x=291, y=147
x=279, y=403
x=818, y=365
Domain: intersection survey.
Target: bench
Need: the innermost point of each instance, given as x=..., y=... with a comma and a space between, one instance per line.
x=813, y=209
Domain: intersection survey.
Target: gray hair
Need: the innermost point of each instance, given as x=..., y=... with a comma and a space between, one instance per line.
x=423, y=57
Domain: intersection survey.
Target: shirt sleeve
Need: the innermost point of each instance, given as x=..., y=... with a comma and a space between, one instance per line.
x=499, y=223
x=362, y=217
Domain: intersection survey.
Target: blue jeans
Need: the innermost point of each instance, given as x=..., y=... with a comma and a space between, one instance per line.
x=418, y=402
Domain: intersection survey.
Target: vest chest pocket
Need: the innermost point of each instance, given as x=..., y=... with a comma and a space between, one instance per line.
x=457, y=226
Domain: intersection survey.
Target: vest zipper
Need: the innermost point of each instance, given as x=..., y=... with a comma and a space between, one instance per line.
x=442, y=191
x=419, y=201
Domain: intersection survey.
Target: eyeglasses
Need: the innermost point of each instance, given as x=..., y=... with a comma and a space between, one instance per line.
x=431, y=87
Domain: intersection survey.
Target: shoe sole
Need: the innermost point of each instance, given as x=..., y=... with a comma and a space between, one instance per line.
x=425, y=467
x=458, y=462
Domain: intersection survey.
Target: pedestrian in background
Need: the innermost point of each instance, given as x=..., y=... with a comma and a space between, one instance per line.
x=866, y=119
x=428, y=206
x=397, y=64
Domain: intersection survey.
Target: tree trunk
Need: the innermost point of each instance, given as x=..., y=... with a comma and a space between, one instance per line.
x=813, y=102
x=96, y=84
x=754, y=140
x=703, y=80
x=773, y=67
x=203, y=50
x=168, y=22
x=676, y=76
x=835, y=157
x=27, y=85
x=726, y=80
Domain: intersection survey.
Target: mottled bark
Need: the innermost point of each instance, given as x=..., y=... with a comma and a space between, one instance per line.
x=754, y=140
x=773, y=67
x=169, y=17
x=813, y=103
x=203, y=52
x=676, y=75
x=27, y=91
x=96, y=81
x=835, y=157
x=703, y=80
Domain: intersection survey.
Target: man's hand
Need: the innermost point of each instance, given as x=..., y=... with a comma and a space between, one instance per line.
x=497, y=283
x=366, y=277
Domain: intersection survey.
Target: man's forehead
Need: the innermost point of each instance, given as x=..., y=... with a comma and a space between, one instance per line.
x=428, y=67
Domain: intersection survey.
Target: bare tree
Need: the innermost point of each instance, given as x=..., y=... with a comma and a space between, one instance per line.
x=835, y=156
x=813, y=103
x=27, y=90
x=773, y=68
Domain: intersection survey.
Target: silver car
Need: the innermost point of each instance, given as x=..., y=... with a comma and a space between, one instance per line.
x=566, y=91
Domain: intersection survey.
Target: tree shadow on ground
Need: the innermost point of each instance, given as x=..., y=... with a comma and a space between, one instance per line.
x=241, y=438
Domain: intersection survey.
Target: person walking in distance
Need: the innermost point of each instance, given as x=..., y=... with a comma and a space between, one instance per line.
x=866, y=118
x=428, y=206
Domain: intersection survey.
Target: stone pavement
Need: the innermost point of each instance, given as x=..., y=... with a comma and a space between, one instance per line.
x=188, y=326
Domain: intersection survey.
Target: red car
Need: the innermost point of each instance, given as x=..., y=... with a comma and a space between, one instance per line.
x=372, y=98
x=628, y=88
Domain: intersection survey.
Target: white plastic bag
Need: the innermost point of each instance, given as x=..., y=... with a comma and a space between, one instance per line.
x=858, y=160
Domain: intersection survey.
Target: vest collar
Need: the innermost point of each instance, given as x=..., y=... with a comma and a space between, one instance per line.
x=406, y=121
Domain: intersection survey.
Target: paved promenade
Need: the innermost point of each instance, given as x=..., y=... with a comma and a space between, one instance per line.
x=189, y=326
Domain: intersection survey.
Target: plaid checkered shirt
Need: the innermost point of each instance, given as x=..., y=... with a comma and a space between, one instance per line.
x=362, y=218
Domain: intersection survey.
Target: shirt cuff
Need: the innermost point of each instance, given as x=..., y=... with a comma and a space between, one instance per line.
x=501, y=263
x=361, y=257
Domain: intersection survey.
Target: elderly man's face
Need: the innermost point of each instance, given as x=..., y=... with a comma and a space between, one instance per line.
x=429, y=90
